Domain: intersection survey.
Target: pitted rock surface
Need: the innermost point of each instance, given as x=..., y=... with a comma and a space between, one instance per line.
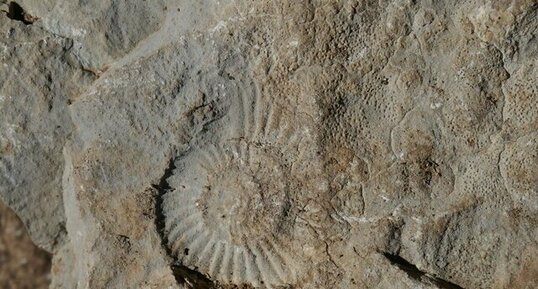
x=274, y=144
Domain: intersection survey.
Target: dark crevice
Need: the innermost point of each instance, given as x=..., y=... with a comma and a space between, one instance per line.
x=161, y=189
x=414, y=273
x=182, y=274
x=17, y=13
x=192, y=278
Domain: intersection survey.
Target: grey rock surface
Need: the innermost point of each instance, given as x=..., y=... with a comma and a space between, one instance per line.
x=38, y=80
x=274, y=144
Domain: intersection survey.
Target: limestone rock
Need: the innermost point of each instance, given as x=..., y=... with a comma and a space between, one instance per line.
x=274, y=144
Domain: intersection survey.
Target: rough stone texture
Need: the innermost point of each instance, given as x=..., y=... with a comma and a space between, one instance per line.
x=22, y=264
x=274, y=144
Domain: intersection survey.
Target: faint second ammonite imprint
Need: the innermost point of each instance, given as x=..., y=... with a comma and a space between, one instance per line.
x=232, y=212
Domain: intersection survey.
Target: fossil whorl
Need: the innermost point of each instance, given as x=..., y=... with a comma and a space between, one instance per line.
x=233, y=211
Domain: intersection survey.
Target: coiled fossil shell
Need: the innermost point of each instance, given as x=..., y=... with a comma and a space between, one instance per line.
x=234, y=207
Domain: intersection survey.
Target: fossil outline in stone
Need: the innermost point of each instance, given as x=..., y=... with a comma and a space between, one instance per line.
x=232, y=209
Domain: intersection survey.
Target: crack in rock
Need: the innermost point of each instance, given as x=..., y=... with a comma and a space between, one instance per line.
x=416, y=274
x=182, y=274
